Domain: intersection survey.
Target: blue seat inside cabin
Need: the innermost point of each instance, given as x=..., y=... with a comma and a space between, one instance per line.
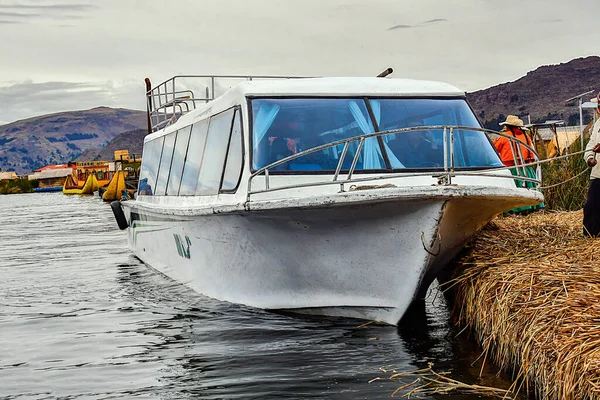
x=305, y=167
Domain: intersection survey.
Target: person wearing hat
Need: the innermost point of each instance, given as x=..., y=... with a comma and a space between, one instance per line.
x=510, y=154
x=591, y=209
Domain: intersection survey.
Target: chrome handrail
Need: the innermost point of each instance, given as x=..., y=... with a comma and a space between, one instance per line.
x=163, y=98
x=444, y=176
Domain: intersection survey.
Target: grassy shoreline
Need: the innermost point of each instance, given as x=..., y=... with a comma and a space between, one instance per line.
x=528, y=287
x=569, y=194
x=17, y=186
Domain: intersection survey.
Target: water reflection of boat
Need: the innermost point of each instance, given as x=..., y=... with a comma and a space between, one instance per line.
x=330, y=196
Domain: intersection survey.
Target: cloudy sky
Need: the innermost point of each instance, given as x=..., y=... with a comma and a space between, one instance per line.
x=60, y=55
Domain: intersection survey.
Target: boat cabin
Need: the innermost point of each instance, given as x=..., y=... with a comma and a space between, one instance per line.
x=282, y=138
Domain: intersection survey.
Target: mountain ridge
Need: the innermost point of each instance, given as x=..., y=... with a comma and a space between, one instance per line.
x=541, y=93
x=60, y=137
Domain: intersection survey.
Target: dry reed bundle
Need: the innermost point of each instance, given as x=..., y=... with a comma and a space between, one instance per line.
x=530, y=290
x=428, y=382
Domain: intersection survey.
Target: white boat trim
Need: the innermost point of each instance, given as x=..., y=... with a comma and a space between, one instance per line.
x=353, y=197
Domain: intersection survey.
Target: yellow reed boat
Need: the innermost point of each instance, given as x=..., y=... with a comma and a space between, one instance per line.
x=89, y=187
x=115, y=188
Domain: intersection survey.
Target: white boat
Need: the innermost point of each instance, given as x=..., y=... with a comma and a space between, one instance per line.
x=328, y=196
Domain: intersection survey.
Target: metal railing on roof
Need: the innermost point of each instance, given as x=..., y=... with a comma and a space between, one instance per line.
x=444, y=175
x=181, y=94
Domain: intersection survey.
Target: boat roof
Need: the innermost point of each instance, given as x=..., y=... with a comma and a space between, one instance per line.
x=316, y=87
x=347, y=86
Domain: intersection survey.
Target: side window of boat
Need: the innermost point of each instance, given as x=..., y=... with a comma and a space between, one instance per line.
x=181, y=145
x=194, y=156
x=165, y=164
x=151, y=161
x=143, y=186
x=235, y=155
x=211, y=169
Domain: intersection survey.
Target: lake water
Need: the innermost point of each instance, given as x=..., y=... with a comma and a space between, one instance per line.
x=81, y=317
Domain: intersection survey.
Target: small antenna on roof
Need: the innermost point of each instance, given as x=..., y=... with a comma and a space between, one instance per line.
x=385, y=73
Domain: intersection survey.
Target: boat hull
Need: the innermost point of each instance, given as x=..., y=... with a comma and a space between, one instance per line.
x=365, y=259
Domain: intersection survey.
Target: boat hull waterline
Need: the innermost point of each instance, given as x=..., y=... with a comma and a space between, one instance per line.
x=361, y=255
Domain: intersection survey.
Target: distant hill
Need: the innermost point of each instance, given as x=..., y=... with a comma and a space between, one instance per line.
x=133, y=141
x=58, y=138
x=541, y=93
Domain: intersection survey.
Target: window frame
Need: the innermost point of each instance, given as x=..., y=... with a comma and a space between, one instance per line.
x=214, y=192
x=189, y=134
x=174, y=133
x=237, y=110
x=187, y=150
x=162, y=140
x=367, y=100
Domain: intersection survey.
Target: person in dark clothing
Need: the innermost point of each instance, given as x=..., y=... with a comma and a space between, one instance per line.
x=417, y=149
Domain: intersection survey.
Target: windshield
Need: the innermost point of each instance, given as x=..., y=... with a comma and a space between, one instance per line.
x=283, y=127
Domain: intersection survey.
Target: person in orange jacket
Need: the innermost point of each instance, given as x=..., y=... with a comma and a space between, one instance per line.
x=508, y=150
x=510, y=154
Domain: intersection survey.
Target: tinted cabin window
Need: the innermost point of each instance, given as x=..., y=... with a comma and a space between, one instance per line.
x=143, y=183
x=425, y=148
x=284, y=127
x=233, y=167
x=165, y=164
x=195, y=153
x=213, y=162
x=152, y=154
x=181, y=145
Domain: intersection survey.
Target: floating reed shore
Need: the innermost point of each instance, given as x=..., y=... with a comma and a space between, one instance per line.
x=529, y=288
x=17, y=186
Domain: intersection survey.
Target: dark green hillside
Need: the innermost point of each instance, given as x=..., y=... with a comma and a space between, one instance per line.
x=58, y=138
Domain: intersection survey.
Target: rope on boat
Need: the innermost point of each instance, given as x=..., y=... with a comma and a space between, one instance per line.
x=560, y=158
x=565, y=181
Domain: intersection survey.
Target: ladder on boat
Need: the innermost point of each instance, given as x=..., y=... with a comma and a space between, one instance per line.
x=181, y=94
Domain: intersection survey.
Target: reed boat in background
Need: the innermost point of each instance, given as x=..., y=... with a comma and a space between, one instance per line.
x=328, y=196
x=100, y=168
x=130, y=164
x=124, y=181
x=118, y=188
x=88, y=187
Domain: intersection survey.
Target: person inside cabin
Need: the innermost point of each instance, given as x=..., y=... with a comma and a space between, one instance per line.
x=417, y=149
x=513, y=155
x=291, y=137
x=591, y=209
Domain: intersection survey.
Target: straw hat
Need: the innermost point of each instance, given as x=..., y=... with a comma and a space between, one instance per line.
x=513, y=120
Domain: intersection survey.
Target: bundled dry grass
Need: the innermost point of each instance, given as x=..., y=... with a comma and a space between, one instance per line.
x=428, y=382
x=530, y=290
